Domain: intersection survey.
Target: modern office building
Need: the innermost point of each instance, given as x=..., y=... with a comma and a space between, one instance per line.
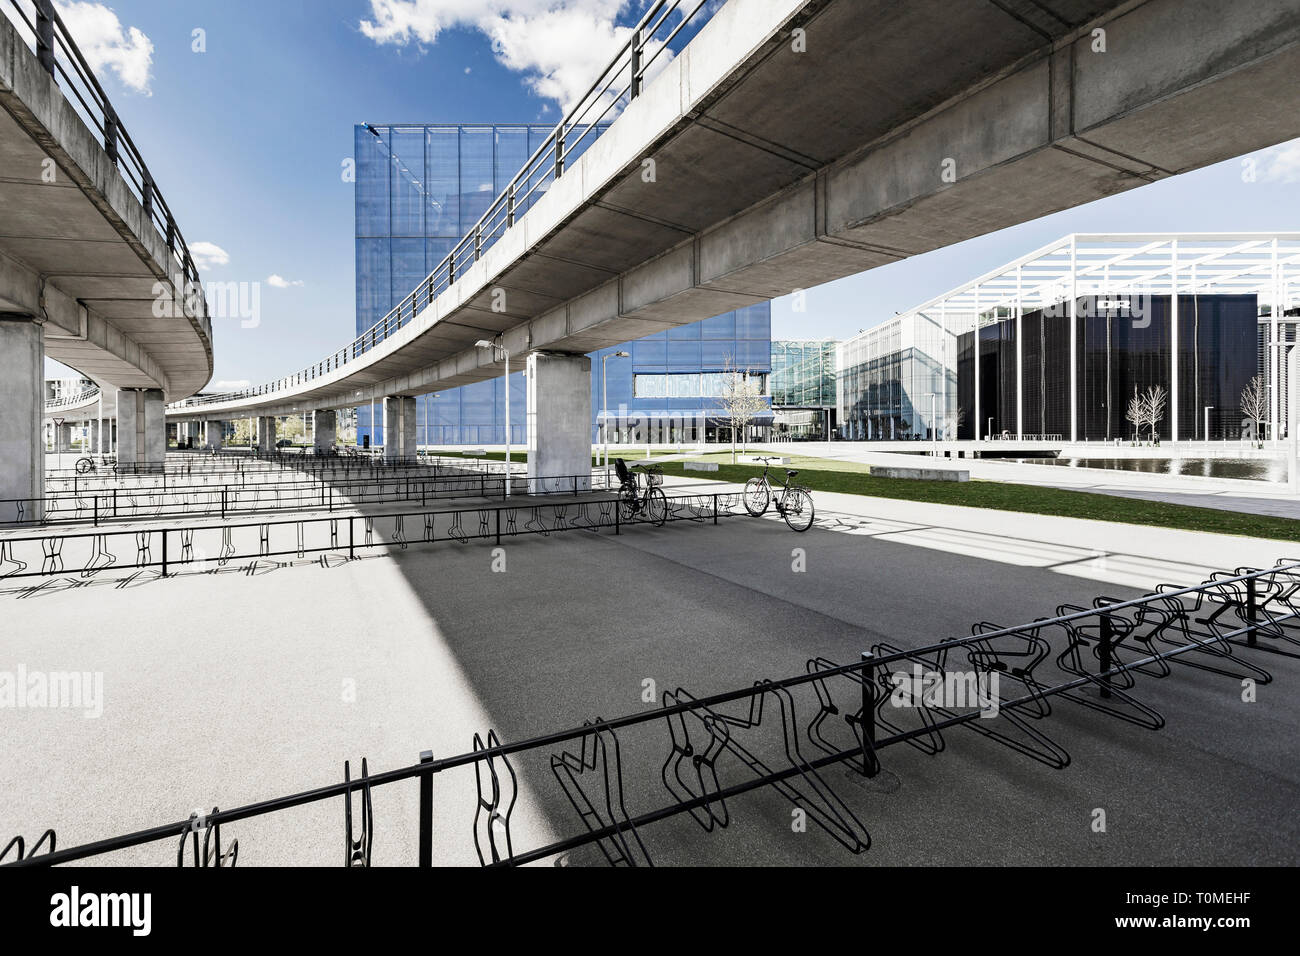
x=898, y=381
x=804, y=389
x=1067, y=332
x=670, y=387
x=419, y=189
x=1025, y=362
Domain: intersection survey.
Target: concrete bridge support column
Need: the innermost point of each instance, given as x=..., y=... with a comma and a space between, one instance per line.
x=326, y=430
x=399, y=428
x=142, y=429
x=216, y=435
x=559, y=422
x=266, y=434
x=22, y=396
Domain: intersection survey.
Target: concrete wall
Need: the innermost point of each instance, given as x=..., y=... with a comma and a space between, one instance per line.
x=325, y=431
x=266, y=433
x=399, y=427
x=559, y=421
x=22, y=373
x=142, y=428
x=216, y=435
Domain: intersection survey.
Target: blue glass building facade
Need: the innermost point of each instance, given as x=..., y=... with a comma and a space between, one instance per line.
x=419, y=189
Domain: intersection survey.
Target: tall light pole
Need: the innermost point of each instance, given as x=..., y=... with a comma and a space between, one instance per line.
x=604, y=408
x=934, y=431
x=494, y=347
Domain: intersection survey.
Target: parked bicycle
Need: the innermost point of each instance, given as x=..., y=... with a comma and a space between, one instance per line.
x=793, y=502
x=86, y=466
x=635, y=499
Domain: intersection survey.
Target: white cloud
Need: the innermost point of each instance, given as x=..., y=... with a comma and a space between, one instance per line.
x=208, y=254
x=561, y=46
x=277, y=281
x=106, y=45
x=1281, y=163
x=228, y=385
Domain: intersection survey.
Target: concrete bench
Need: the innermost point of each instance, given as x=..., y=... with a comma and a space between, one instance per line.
x=701, y=466
x=920, y=474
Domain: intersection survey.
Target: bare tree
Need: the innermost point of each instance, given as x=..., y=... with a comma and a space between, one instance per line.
x=742, y=401
x=1254, y=404
x=1137, y=413
x=1153, y=401
x=954, y=423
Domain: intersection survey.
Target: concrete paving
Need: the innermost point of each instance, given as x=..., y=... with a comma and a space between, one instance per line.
x=260, y=680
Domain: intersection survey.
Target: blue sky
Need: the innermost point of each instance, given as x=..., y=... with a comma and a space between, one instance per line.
x=247, y=140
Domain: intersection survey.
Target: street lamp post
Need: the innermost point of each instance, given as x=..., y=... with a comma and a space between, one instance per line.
x=505, y=353
x=934, y=431
x=604, y=408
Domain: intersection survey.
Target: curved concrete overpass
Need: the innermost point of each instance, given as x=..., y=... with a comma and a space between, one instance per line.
x=792, y=143
x=93, y=269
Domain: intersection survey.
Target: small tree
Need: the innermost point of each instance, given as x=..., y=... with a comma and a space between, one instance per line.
x=1137, y=413
x=952, y=424
x=1153, y=401
x=1254, y=404
x=742, y=401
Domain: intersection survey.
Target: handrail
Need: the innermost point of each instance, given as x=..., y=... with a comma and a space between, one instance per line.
x=547, y=163
x=54, y=404
x=58, y=55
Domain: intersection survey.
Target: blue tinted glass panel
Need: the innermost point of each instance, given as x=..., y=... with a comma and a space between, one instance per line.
x=754, y=322
x=374, y=291
x=649, y=351
x=683, y=354
x=371, y=197
x=406, y=182
x=442, y=212
x=408, y=267
x=689, y=332
x=512, y=153
x=714, y=355
x=476, y=175
x=719, y=327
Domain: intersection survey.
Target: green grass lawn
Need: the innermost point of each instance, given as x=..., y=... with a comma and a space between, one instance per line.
x=854, y=478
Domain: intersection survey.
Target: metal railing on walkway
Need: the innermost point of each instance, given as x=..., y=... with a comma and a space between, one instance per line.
x=214, y=547
x=718, y=747
x=96, y=506
x=60, y=57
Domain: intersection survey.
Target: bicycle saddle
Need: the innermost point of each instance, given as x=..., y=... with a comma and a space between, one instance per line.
x=790, y=474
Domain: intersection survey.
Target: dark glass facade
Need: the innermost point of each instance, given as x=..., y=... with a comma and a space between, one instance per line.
x=1118, y=353
x=419, y=189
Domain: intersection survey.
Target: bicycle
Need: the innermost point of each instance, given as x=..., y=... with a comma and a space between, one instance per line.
x=794, y=503
x=86, y=466
x=633, y=501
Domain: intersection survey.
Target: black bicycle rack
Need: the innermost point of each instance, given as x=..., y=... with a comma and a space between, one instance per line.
x=703, y=753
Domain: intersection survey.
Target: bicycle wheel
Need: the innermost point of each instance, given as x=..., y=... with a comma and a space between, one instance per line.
x=85, y=465
x=628, y=503
x=657, y=506
x=798, y=510
x=757, y=496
